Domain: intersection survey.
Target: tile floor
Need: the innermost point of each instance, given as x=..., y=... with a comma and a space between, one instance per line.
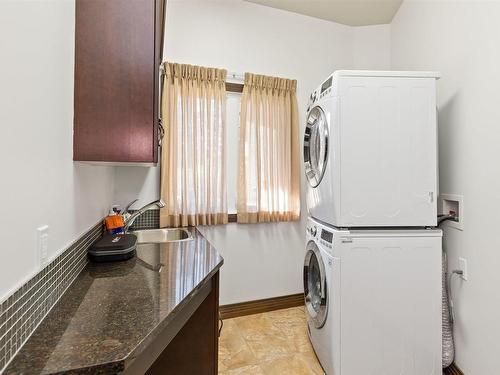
x=271, y=343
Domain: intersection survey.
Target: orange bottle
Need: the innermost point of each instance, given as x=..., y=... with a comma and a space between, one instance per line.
x=114, y=223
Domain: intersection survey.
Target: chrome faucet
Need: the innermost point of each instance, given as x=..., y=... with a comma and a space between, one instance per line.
x=124, y=212
x=159, y=203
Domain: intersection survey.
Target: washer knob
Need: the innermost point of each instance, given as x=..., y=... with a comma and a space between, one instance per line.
x=313, y=231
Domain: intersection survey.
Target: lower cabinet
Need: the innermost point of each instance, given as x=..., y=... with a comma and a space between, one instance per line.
x=194, y=349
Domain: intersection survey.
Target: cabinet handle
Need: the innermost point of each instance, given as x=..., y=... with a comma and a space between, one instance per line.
x=221, y=324
x=161, y=132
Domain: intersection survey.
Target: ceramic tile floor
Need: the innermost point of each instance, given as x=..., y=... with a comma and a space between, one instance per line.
x=271, y=343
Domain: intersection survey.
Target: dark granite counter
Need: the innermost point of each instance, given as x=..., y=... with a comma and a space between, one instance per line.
x=114, y=311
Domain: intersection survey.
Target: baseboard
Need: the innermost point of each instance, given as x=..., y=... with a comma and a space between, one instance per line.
x=452, y=370
x=259, y=306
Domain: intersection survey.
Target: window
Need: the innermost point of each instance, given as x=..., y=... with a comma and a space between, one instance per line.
x=233, y=105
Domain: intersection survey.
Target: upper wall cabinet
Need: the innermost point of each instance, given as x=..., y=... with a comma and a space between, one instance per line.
x=118, y=52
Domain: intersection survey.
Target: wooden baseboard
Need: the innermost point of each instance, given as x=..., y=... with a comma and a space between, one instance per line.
x=260, y=306
x=452, y=370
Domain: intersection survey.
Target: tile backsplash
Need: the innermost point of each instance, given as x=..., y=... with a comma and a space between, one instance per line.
x=148, y=220
x=21, y=313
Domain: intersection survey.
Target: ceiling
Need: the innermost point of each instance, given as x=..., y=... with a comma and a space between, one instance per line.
x=347, y=12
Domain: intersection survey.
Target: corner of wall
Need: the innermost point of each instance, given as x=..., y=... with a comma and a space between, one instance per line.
x=371, y=47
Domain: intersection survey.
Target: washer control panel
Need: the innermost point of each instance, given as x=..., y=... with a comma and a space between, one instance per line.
x=326, y=238
x=313, y=230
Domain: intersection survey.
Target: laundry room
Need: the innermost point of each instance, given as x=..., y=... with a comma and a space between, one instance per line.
x=249, y=187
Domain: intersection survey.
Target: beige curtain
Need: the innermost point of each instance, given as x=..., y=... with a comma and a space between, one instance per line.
x=193, y=110
x=268, y=185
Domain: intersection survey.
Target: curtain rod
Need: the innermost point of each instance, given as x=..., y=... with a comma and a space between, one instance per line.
x=231, y=76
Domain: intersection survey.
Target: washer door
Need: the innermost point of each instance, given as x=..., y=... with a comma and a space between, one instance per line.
x=315, y=146
x=315, y=288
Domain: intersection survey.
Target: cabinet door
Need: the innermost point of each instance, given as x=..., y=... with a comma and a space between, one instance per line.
x=117, y=58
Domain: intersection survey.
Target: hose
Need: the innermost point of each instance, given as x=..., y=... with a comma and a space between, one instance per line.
x=448, y=315
x=448, y=352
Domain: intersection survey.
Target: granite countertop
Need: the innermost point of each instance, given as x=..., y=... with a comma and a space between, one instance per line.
x=113, y=311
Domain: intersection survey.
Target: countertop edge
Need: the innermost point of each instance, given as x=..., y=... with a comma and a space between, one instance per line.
x=139, y=349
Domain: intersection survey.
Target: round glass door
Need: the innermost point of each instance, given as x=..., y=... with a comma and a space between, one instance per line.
x=315, y=146
x=315, y=288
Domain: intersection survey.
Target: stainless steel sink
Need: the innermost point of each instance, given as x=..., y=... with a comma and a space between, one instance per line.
x=163, y=235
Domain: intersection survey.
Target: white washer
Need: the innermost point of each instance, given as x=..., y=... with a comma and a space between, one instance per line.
x=373, y=299
x=370, y=149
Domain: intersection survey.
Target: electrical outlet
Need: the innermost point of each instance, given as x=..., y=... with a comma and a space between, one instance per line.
x=42, y=244
x=462, y=266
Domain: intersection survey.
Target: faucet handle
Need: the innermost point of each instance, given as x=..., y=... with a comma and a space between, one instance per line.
x=125, y=210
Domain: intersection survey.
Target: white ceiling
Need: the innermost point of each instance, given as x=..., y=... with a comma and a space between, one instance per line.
x=347, y=12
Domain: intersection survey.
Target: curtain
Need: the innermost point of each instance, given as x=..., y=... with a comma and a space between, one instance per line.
x=268, y=184
x=193, y=107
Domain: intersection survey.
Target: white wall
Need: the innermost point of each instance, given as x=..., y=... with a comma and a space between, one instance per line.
x=372, y=47
x=262, y=260
x=461, y=39
x=40, y=184
x=141, y=183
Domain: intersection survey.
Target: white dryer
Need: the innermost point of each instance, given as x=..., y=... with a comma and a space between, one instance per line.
x=370, y=149
x=373, y=300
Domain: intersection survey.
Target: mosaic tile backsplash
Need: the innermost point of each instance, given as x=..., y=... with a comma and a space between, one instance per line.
x=148, y=220
x=21, y=313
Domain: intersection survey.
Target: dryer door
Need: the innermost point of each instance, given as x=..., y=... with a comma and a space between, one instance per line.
x=316, y=146
x=315, y=288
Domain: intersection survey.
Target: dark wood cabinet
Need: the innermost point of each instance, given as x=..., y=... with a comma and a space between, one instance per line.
x=189, y=344
x=195, y=349
x=118, y=52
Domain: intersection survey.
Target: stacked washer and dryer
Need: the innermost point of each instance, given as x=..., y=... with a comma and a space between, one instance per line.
x=372, y=270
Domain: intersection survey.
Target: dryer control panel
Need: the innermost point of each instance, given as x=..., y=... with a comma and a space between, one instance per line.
x=326, y=85
x=312, y=99
x=323, y=90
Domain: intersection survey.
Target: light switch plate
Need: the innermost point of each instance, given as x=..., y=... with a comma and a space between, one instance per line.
x=42, y=244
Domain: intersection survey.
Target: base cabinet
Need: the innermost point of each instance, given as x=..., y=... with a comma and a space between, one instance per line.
x=194, y=349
